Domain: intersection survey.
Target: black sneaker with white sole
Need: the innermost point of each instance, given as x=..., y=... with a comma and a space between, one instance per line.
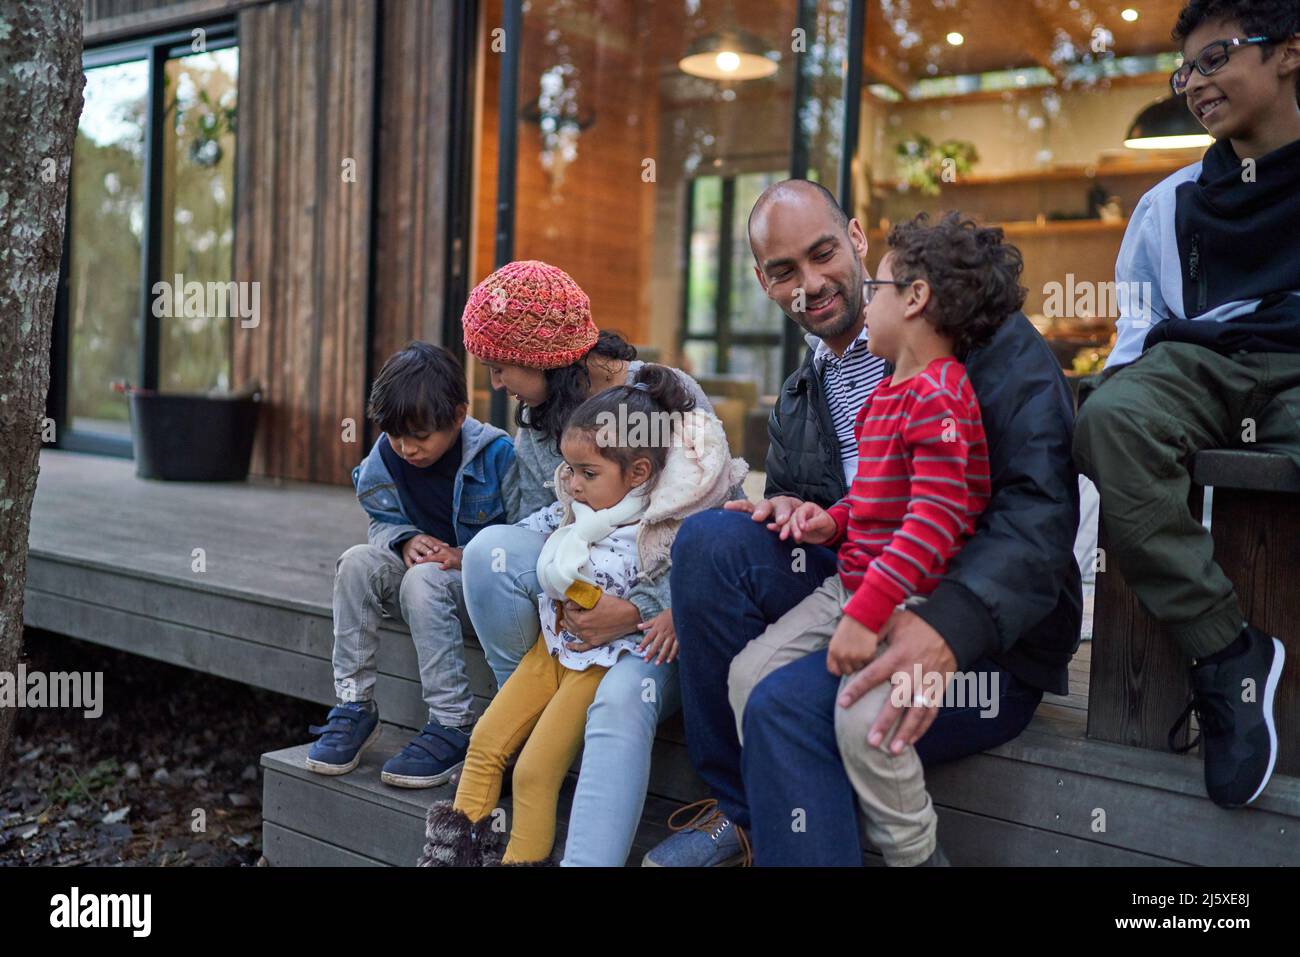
x=1233, y=700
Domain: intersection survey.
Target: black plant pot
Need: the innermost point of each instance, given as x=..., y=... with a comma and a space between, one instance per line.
x=193, y=438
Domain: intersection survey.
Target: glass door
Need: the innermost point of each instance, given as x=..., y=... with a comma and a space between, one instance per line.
x=623, y=126
x=106, y=240
x=152, y=201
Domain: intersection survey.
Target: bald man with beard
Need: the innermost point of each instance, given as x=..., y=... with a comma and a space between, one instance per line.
x=1005, y=617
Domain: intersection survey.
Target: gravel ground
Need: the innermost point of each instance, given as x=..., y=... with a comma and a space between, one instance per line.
x=167, y=776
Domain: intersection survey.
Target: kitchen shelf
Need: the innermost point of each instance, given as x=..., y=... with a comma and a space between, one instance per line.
x=1048, y=229
x=1057, y=174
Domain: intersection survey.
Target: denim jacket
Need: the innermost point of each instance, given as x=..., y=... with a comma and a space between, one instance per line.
x=487, y=471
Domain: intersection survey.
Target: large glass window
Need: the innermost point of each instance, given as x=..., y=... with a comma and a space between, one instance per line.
x=732, y=328
x=1024, y=121
x=198, y=196
x=645, y=130
x=106, y=232
x=152, y=199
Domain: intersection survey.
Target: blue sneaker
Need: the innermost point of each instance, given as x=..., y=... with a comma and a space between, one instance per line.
x=429, y=759
x=709, y=839
x=348, y=730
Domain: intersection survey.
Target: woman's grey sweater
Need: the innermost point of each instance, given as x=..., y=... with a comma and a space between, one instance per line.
x=535, y=464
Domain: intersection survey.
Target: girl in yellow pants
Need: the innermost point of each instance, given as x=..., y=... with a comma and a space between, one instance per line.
x=621, y=500
x=545, y=704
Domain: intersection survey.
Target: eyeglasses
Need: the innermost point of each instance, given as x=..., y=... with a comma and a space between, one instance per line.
x=1210, y=61
x=869, y=285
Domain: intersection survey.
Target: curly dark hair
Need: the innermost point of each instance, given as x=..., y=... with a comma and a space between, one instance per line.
x=973, y=275
x=1258, y=18
x=567, y=388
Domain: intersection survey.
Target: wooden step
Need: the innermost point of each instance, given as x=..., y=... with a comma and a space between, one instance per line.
x=355, y=820
x=1051, y=797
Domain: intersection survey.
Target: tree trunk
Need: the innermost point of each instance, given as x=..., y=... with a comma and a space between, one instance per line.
x=40, y=103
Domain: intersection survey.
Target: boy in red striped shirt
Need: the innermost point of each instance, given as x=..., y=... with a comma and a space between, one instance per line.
x=921, y=483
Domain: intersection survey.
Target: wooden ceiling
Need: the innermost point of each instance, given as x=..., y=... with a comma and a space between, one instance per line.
x=906, y=39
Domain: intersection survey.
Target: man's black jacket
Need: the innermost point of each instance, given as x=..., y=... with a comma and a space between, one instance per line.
x=1013, y=592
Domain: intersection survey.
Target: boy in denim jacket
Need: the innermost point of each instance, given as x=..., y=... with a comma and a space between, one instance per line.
x=433, y=479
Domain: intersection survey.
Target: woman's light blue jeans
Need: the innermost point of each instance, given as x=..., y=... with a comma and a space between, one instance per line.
x=499, y=575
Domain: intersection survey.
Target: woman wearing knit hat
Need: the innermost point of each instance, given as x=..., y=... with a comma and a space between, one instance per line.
x=530, y=323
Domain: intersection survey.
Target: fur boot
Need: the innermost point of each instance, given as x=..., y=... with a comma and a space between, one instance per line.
x=453, y=840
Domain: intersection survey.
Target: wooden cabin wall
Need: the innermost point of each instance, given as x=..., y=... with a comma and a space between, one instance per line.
x=411, y=202
x=107, y=20
x=302, y=227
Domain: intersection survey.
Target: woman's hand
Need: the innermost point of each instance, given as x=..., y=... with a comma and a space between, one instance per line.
x=611, y=617
x=660, y=642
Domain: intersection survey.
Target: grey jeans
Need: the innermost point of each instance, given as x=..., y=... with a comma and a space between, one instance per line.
x=372, y=582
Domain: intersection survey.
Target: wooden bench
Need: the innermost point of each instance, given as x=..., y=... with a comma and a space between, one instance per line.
x=1140, y=679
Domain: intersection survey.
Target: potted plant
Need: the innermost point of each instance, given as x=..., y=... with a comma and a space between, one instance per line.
x=193, y=437
x=923, y=164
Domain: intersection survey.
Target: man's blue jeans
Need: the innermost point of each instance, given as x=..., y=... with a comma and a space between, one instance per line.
x=731, y=578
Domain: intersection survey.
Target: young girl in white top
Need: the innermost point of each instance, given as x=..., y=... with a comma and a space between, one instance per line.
x=638, y=460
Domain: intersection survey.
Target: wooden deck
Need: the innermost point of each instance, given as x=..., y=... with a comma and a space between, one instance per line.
x=113, y=560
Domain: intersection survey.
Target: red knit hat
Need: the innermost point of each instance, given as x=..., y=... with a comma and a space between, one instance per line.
x=530, y=314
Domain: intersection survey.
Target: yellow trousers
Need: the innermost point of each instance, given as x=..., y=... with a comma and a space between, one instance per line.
x=545, y=704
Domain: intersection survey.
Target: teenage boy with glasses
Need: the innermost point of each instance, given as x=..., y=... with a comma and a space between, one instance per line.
x=1215, y=346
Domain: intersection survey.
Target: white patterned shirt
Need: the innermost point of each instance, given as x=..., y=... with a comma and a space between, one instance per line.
x=847, y=382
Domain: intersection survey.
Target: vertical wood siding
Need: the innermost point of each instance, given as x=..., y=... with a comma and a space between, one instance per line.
x=307, y=73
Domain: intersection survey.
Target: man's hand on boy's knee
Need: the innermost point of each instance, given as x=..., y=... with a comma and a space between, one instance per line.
x=913, y=645
x=852, y=647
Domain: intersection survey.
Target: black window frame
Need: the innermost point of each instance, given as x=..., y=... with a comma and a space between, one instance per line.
x=156, y=50
x=722, y=334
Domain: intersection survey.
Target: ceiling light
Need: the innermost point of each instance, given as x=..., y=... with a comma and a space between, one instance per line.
x=1167, y=125
x=1129, y=14
x=956, y=39
x=733, y=55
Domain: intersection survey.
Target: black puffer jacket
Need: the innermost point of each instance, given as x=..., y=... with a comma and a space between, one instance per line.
x=1013, y=592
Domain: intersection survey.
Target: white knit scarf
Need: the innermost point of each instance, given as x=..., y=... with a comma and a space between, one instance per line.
x=569, y=546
